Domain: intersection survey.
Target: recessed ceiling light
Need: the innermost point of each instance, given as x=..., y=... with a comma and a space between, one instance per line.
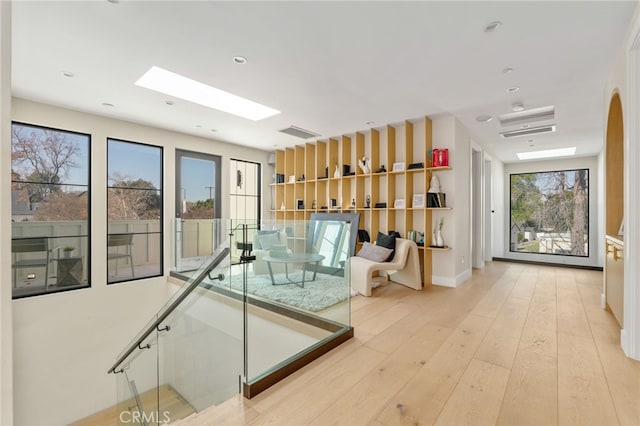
x=507, y=70
x=198, y=125
x=240, y=60
x=484, y=118
x=548, y=153
x=214, y=130
x=492, y=26
x=370, y=123
x=517, y=106
x=107, y=104
x=114, y=1
x=68, y=74
x=181, y=87
x=169, y=102
x=513, y=89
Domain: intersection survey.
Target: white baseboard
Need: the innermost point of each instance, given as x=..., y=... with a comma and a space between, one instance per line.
x=462, y=277
x=443, y=281
x=446, y=281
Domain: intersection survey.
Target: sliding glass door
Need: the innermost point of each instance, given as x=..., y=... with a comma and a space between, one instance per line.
x=198, y=202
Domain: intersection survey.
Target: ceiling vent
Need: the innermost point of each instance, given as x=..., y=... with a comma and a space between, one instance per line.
x=528, y=131
x=298, y=132
x=528, y=116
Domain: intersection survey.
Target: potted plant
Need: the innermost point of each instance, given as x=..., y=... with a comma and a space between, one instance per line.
x=67, y=250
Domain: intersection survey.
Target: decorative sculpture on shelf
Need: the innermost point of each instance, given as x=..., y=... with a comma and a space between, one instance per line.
x=382, y=169
x=365, y=165
x=435, y=184
x=336, y=174
x=368, y=199
x=438, y=241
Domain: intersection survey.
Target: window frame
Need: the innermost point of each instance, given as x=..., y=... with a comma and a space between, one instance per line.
x=88, y=263
x=161, y=212
x=588, y=253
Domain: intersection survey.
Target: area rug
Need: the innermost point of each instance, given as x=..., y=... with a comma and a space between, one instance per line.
x=325, y=291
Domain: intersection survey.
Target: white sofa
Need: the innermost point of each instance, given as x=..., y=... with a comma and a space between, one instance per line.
x=403, y=269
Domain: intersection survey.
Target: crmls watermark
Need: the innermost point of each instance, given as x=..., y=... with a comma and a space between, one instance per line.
x=145, y=418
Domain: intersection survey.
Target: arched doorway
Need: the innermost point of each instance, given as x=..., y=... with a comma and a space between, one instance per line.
x=614, y=210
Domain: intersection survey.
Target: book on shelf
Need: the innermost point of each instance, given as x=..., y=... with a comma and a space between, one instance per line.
x=436, y=200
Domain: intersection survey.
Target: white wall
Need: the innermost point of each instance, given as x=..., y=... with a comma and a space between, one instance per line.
x=625, y=79
x=595, y=228
x=498, y=206
x=600, y=208
x=65, y=342
x=450, y=268
x=462, y=194
x=6, y=317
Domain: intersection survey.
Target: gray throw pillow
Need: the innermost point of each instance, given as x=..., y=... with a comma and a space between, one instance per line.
x=373, y=252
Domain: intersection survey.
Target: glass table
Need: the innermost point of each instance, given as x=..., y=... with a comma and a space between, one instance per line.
x=294, y=258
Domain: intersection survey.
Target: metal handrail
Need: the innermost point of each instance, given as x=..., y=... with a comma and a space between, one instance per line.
x=155, y=324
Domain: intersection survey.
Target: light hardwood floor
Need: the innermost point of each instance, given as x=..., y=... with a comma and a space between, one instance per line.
x=516, y=344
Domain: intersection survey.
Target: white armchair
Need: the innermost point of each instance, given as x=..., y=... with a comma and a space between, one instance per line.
x=263, y=241
x=403, y=269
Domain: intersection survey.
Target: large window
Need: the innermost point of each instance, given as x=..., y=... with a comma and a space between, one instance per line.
x=244, y=192
x=550, y=213
x=134, y=207
x=50, y=202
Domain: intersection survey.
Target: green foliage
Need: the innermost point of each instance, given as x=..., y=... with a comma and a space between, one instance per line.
x=525, y=197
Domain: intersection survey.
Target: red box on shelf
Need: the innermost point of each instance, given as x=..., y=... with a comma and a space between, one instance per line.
x=435, y=158
x=444, y=157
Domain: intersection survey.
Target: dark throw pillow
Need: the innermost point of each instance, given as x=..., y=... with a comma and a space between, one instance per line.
x=388, y=241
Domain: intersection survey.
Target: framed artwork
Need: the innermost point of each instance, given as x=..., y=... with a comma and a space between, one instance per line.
x=399, y=203
x=418, y=201
x=299, y=204
x=398, y=167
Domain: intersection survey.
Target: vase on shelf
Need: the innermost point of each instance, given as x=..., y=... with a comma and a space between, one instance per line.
x=336, y=174
x=437, y=238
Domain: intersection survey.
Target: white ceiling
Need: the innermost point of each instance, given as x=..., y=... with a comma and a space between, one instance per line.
x=330, y=67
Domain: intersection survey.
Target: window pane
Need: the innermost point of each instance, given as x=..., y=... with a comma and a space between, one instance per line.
x=48, y=155
x=550, y=213
x=41, y=202
x=50, y=210
x=134, y=206
x=132, y=256
x=134, y=163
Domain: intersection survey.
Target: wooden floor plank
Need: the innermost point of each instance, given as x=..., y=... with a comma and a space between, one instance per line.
x=540, y=330
x=531, y=397
x=323, y=390
x=501, y=342
x=622, y=373
x=437, y=379
x=583, y=394
x=476, y=399
x=571, y=317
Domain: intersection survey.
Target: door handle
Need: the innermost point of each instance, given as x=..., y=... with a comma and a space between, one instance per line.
x=616, y=251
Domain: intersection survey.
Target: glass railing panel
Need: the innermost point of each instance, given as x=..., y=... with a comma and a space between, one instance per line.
x=298, y=294
x=196, y=240
x=197, y=337
x=138, y=393
x=201, y=354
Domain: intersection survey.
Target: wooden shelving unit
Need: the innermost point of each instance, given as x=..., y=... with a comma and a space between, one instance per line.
x=408, y=142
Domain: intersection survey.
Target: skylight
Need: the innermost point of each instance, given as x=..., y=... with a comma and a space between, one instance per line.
x=561, y=152
x=176, y=85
